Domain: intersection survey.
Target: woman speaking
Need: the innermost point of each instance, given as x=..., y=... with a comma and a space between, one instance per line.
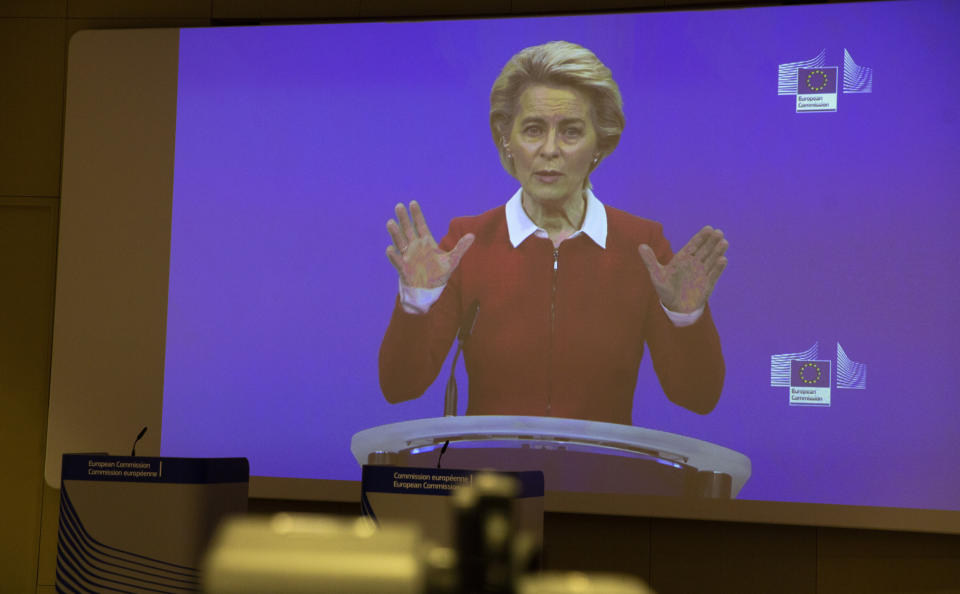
x=569, y=290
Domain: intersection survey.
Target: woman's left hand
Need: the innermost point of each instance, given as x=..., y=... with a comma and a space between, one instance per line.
x=685, y=283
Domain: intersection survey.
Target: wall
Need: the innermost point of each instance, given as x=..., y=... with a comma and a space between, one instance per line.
x=673, y=555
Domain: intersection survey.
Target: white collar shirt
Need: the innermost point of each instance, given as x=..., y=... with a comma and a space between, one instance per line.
x=520, y=226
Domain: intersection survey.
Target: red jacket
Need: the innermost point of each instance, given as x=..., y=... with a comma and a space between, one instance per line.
x=564, y=342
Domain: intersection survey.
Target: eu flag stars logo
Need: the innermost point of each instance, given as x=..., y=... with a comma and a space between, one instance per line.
x=809, y=383
x=817, y=89
x=816, y=85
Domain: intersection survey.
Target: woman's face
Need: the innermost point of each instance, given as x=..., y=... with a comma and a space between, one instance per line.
x=553, y=142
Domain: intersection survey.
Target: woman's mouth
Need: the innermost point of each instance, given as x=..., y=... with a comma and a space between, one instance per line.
x=548, y=176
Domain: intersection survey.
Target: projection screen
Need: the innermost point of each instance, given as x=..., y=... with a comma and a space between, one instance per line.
x=222, y=276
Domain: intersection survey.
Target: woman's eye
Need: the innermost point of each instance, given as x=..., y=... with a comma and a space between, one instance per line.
x=532, y=130
x=573, y=133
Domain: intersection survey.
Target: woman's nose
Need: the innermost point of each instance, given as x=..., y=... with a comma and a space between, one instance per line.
x=550, y=147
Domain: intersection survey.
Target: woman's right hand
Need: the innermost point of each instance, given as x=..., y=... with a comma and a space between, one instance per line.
x=414, y=253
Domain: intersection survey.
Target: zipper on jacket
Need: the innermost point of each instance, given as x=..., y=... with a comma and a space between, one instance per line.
x=553, y=318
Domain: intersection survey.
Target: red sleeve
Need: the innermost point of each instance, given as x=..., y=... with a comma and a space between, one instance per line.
x=415, y=345
x=688, y=360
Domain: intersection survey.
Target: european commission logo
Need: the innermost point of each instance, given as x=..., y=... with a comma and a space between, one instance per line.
x=817, y=86
x=810, y=383
x=809, y=378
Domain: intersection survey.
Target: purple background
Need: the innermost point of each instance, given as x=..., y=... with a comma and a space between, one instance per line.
x=294, y=143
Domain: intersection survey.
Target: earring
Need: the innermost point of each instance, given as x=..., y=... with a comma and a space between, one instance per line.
x=509, y=156
x=596, y=159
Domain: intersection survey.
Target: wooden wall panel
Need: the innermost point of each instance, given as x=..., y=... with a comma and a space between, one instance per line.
x=691, y=556
x=415, y=8
x=535, y=6
x=139, y=9
x=47, y=555
x=33, y=8
x=279, y=10
x=31, y=105
x=28, y=231
x=883, y=561
x=580, y=542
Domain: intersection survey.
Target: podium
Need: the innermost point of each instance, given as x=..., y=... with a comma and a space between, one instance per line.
x=574, y=455
x=421, y=496
x=142, y=523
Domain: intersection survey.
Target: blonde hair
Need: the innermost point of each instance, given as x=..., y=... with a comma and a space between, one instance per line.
x=558, y=63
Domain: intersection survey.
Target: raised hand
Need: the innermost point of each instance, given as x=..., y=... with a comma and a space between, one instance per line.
x=686, y=282
x=414, y=253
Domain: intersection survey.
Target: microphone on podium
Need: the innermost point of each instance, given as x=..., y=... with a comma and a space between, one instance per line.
x=467, y=324
x=133, y=450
